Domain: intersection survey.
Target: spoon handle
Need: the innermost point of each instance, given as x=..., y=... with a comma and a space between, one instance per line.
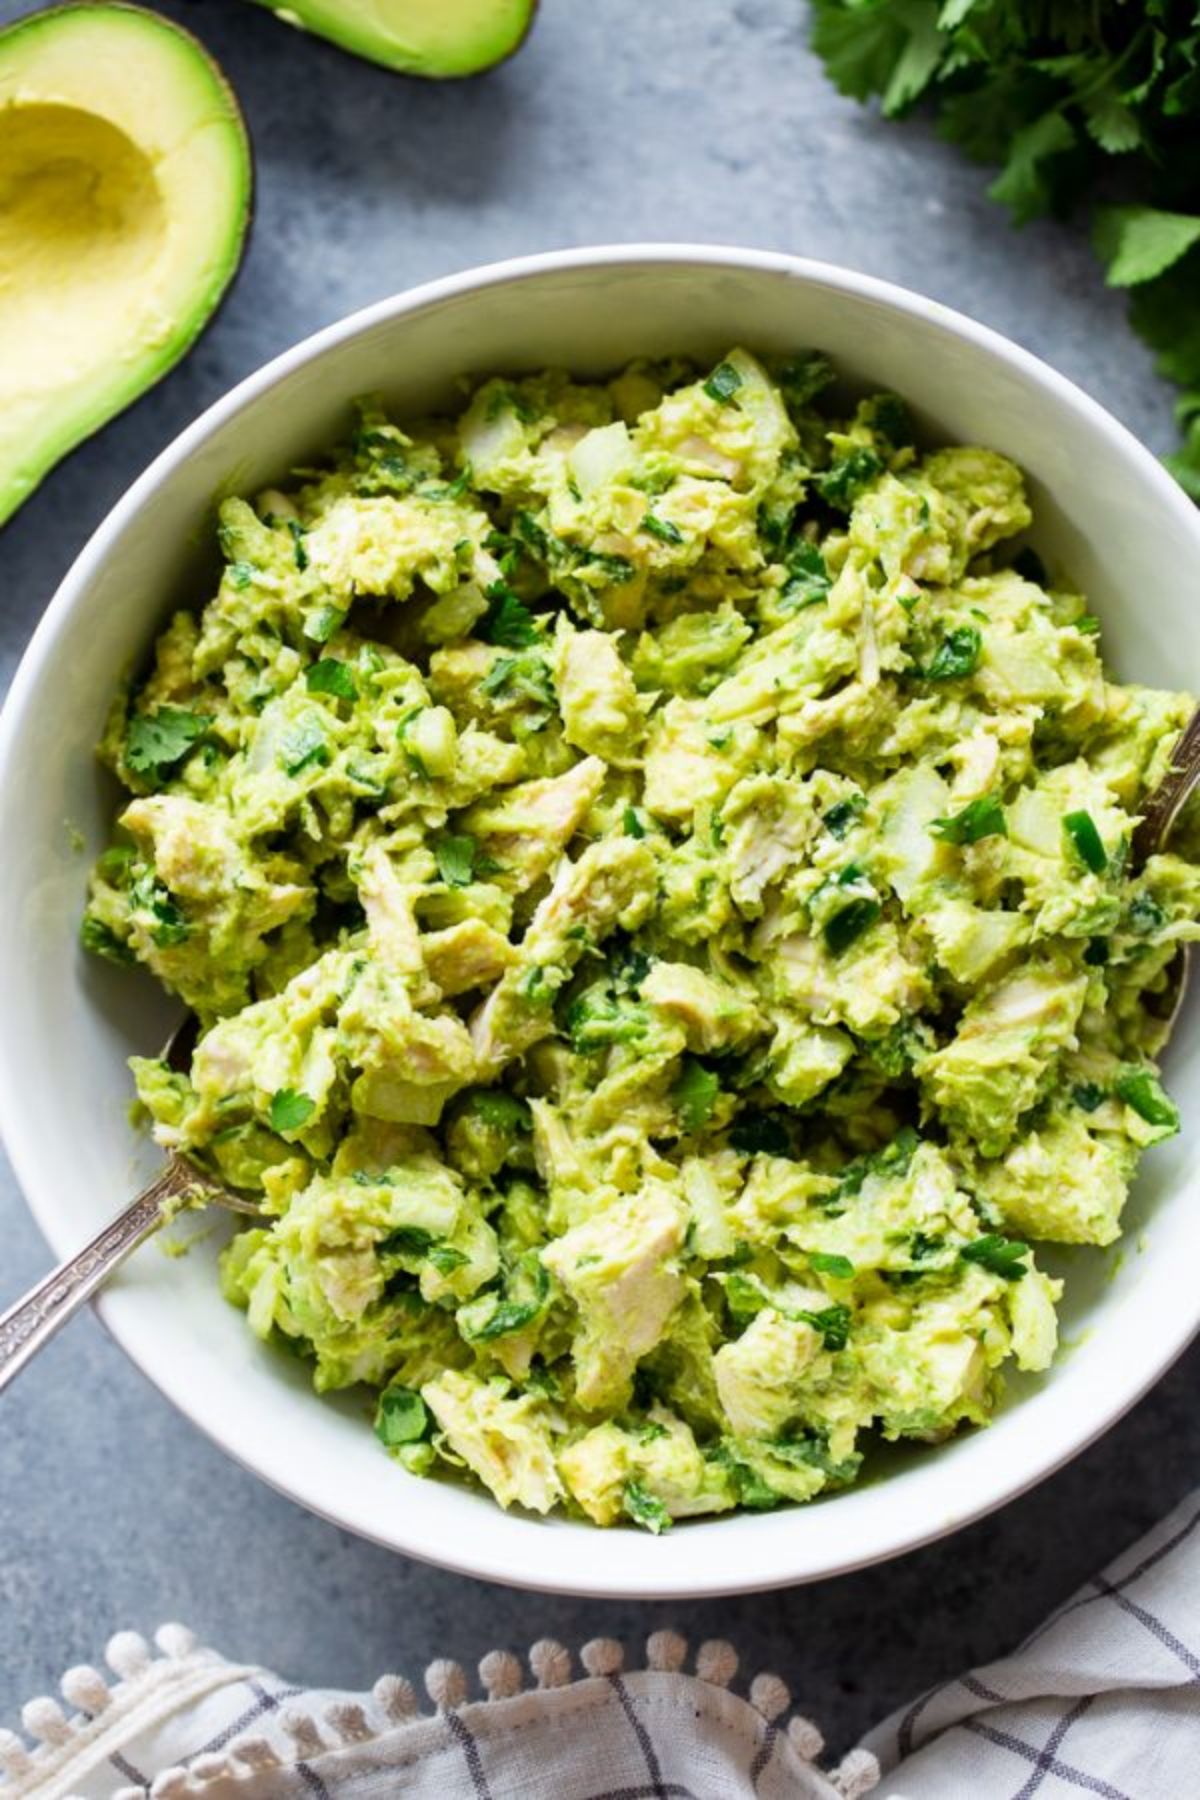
x=25, y=1327
x=1162, y=807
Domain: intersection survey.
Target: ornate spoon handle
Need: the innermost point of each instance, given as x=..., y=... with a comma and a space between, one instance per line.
x=25, y=1327
x=1164, y=805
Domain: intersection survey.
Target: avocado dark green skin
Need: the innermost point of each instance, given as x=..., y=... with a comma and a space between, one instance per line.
x=239, y=235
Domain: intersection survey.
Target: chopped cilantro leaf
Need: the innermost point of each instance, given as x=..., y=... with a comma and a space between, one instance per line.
x=695, y=1094
x=644, y=1508
x=401, y=1417
x=290, y=1110
x=533, y=536
x=893, y=1159
x=170, y=927
x=825, y=1263
x=833, y=1323
x=751, y=1490
x=510, y=1314
x=506, y=550
x=811, y=1449
x=662, y=529
x=845, y=479
x=330, y=676
x=519, y=677
x=808, y=579
x=957, y=656
x=1142, y=1090
x=102, y=940
x=632, y=824
x=1000, y=1255
x=455, y=853
x=155, y=742
x=1088, y=1095
x=619, y=569
x=507, y=621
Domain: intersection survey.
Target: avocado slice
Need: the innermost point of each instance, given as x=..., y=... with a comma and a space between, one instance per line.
x=125, y=180
x=436, y=38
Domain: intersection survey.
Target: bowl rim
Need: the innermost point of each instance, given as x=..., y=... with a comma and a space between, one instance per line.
x=475, y=1555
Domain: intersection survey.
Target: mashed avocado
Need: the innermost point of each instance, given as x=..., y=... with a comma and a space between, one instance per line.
x=650, y=859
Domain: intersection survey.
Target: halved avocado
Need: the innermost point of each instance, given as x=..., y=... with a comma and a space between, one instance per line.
x=125, y=180
x=437, y=38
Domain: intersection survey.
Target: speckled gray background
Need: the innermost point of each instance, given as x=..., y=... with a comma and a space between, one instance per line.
x=688, y=119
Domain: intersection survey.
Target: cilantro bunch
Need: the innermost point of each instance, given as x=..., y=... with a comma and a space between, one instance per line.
x=1078, y=102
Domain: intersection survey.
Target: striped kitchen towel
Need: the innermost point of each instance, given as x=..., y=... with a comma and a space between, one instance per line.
x=1104, y=1698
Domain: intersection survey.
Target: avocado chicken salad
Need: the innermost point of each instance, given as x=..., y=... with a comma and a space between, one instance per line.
x=650, y=859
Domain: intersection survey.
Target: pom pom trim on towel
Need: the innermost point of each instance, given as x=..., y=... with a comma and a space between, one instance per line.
x=187, y=1669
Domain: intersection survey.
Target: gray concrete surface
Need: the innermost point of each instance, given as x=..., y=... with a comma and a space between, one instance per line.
x=690, y=119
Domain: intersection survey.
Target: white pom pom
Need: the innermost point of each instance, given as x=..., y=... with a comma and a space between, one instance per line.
x=395, y=1698
x=445, y=1683
x=805, y=1739
x=500, y=1675
x=44, y=1718
x=175, y=1640
x=769, y=1696
x=210, y=1767
x=256, y=1753
x=602, y=1656
x=717, y=1662
x=85, y=1688
x=857, y=1774
x=127, y=1654
x=550, y=1662
x=15, y=1759
x=301, y=1727
x=348, y=1719
x=666, y=1650
x=128, y=1793
x=172, y=1784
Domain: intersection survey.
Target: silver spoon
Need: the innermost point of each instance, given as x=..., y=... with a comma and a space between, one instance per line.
x=25, y=1327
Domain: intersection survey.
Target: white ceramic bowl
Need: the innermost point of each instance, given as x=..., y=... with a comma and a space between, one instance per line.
x=1104, y=508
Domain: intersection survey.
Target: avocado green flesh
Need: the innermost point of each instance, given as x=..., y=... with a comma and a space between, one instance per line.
x=125, y=184
x=436, y=38
x=651, y=862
